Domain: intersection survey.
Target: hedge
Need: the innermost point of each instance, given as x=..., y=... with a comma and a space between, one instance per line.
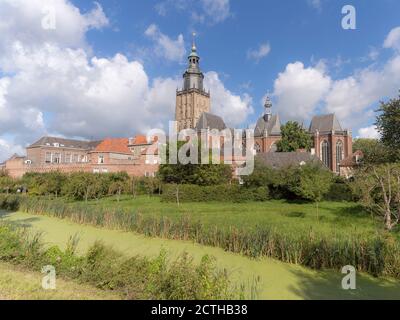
x=221, y=193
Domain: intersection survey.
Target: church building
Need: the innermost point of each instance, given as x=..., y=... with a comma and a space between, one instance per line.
x=332, y=143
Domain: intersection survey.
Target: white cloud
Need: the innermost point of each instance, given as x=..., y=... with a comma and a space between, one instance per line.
x=298, y=90
x=216, y=10
x=393, y=39
x=301, y=92
x=234, y=109
x=369, y=133
x=351, y=97
x=316, y=4
x=7, y=149
x=203, y=11
x=172, y=50
x=58, y=87
x=258, y=54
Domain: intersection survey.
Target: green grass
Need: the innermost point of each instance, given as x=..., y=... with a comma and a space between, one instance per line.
x=21, y=284
x=277, y=280
x=334, y=217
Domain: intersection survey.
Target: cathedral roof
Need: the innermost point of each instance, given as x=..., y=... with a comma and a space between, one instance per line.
x=271, y=126
x=325, y=123
x=210, y=121
x=286, y=159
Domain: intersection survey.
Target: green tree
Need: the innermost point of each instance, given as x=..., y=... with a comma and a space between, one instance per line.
x=378, y=187
x=294, y=137
x=375, y=152
x=388, y=124
x=198, y=174
x=314, y=182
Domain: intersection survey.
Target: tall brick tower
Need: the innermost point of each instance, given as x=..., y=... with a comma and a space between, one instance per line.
x=192, y=100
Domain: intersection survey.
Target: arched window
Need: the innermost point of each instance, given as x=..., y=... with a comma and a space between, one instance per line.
x=257, y=148
x=339, y=154
x=326, y=153
x=274, y=148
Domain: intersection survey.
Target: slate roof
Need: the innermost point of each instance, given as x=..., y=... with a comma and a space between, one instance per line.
x=115, y=145
x=65, y=143
x=285, y=159
x=210, y=121
x=325, y=123
x=272, y=127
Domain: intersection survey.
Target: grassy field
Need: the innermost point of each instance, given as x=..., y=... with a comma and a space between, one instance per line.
x=334, y=217
x=277, y=280
x=20, y=284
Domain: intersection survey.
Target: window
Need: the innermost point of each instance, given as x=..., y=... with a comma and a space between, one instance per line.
x=339, y=154
x=257, y=148
x=48, y=157
x=101, y=159
x=326, y=153
x=56, y=158
x=75, y=158
x=68, y=158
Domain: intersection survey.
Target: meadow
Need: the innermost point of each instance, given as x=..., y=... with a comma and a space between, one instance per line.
x=264, y=278
x=342, y=234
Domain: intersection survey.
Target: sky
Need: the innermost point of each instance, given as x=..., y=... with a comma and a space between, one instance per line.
x=110, y=68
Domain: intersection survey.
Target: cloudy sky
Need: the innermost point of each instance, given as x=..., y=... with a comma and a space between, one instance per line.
x=84, y=69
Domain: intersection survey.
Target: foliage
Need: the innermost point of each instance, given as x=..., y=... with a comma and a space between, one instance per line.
x=309, y=182
x=132, y=278
x=388, y=124
x=198, y=174
x=379, y=191
x=314, y=182
x=375, y=152
x=375, y=253
x=221, y=193
x=294, y=137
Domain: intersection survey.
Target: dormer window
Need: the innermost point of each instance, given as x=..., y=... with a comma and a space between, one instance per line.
x=57, y=145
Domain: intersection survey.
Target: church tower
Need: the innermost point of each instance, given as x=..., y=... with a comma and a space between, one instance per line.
x=192, y=101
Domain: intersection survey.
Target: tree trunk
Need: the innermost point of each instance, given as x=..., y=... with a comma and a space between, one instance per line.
x=177, y=195
x=388, y=220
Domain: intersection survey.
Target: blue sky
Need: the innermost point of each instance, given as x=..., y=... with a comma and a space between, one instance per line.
x=298, y=30
x=111, y=68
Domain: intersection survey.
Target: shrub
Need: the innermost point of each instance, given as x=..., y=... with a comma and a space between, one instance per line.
x=222, y=193
x=133, y=278
x=377, y=255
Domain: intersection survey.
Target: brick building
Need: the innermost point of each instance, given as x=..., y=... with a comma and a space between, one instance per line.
x=332, y=143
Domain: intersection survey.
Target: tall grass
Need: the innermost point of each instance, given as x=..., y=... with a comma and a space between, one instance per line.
x=378, y=255
x=131, y=278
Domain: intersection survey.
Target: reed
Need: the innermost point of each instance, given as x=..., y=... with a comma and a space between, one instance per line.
x=378, y=255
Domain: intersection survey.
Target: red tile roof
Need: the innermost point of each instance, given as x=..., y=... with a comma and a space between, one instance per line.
x=139, y=140
x=114, y=145
x=351, y=161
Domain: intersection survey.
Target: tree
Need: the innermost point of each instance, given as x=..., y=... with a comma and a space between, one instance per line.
x=198, y=174
x=375, y=152
x=294, y=137
x=314, y=183
x=388, y=125
x=379, y=191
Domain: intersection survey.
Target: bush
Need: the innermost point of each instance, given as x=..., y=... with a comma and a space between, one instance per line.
x=377, y=255
x=132, y=278
x=339, y=192
x=222, y=193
